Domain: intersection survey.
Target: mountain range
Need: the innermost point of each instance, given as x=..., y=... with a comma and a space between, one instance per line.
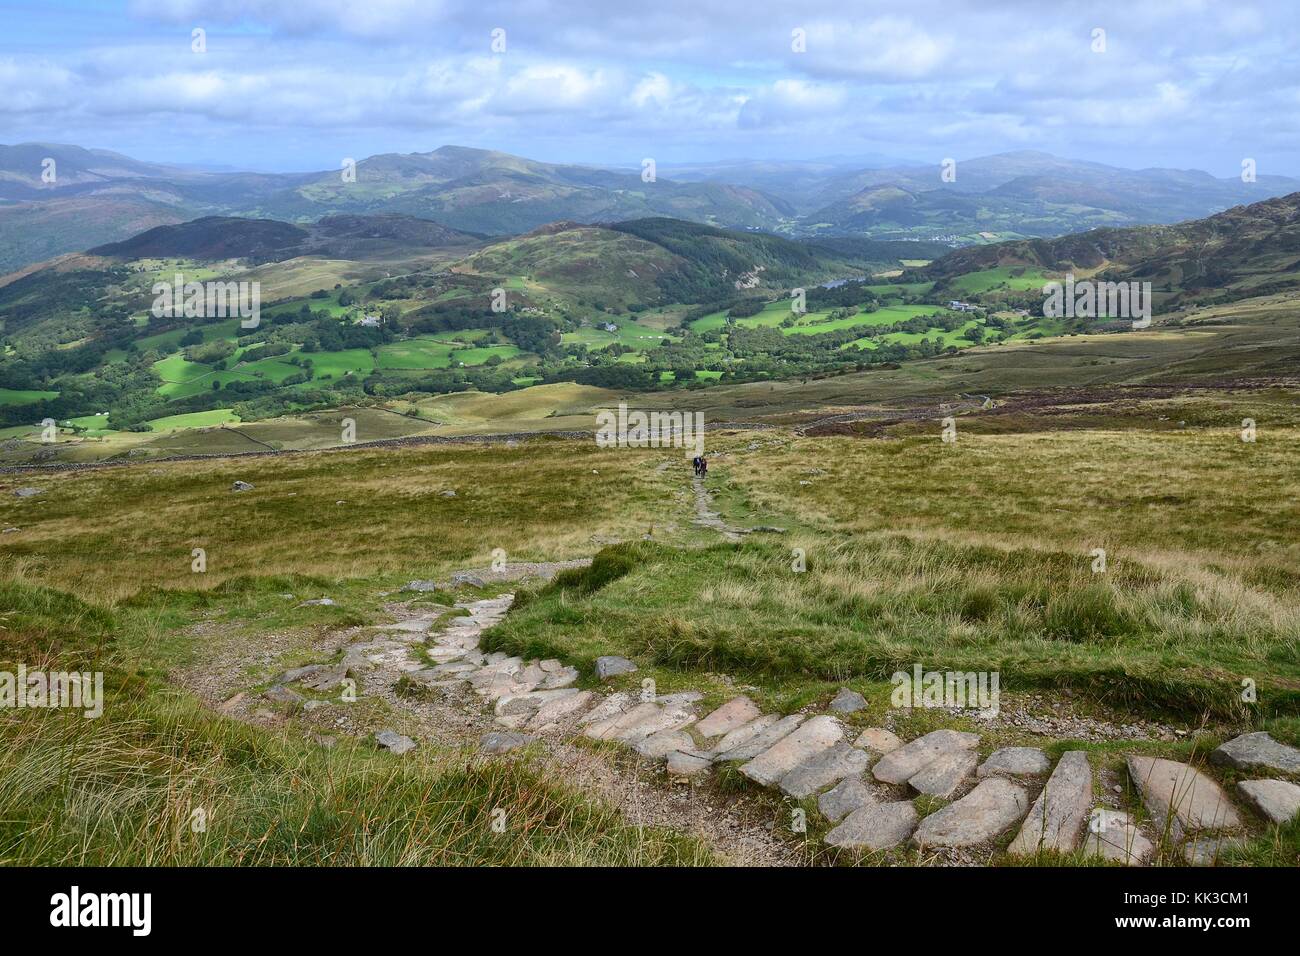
x=100, y=197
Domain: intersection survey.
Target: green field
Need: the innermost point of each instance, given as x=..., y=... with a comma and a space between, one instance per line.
x=217, y=416
x=15, y=396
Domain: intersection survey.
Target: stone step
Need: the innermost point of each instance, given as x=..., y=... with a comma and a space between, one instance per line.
x=612, y=727
x=845, y=797
x=743, y=734
x=1016, y=762
x=1277, y=800
x=1113, y=835
x=946, y=775
x=899, y=766
x=1056, y=820
x=558, y=709
x=763, y=739
x=993, y=807
x=1255, y=752
x=776, y=761
x=733, y=714
x=823, y=770
x=875, y=826
x=1180, y=797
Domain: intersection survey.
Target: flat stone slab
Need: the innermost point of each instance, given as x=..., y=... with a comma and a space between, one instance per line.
x=1016, y=762
x=1112, y=835
x=993, y=807
x=845, y=797
x=394, y=742
x=810, y=738
x=743, y=734
x=1257, y=751
x=764, y=739
x=661, y=744
x=1277, y=800
x=612, y=727
x=558, y=708
x=875, y=826
x=944, y=777
x=686, y=765
x=878, y=740
x=282, y=695
x=1210, y=851
x=529, y=703
x=899, y=766
x=613, y=704
x=1181, y=797
x=824, y=769
x=734, y=713
x=1057, y=818
x=499, y=742
x=847, y=702
x=610, y=666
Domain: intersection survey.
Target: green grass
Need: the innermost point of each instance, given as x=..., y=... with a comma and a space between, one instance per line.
x=16, y=396
x=217, y=416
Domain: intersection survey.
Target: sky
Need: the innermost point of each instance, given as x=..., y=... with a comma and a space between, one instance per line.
x=282, y=85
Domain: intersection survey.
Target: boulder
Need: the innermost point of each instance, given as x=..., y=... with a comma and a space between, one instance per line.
x=394, y=742
x=611, y=666
x=847, y=702
x=28, y=492
x=241, y=486
x=499, y=741
x=282, y=695
x=686, y=765
x=944, y=777
x=878, y=740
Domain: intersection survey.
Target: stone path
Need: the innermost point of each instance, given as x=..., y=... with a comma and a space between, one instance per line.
x=706, y=517
x=867, y=783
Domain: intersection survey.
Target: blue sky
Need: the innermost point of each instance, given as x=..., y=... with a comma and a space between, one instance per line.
x=301, y=84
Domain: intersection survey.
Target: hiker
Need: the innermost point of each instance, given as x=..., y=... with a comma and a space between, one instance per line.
x=704, y=467
x=695, y=465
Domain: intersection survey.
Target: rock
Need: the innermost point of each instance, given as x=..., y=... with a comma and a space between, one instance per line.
x=229, y=706
x=686, y=765
x=421, y=586
x=664, y=742
x=610, y=666
x=611, y=705
x=845, y=797
x=282, y=695
x=311, y=705
x=28, y=492
x=1056, y=820
x=811, y=738
x=743, y=734
x=528, y=703
x=1275, y=799
x=499, y=742
x=10, y=530
x=679, y=700
x=944, y=777
x=1113, y=835
x=734, y=713
x=298, y=673
x=560, y=707
x=617, y=724
x=319, y=602
x=241, y=486
x=899, y=766
x=878, y=740
x=993, y=807
x=1181, y=797
x=448, y=493
x=1016, y=761
x=1257, y=751
x=824, y=769
x=326, y=679
x=763, y=739
x=1209, y=851
x=848, y=702
x=875, y=826
x=394, y=742
x=467, y=578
